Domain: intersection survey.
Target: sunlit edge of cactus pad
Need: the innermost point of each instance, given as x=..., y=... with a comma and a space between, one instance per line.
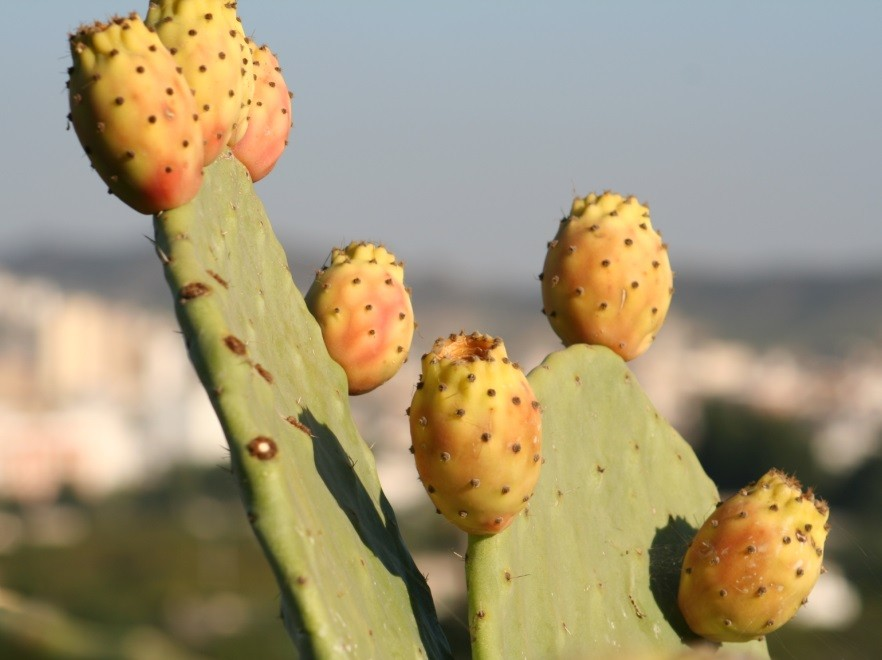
x=308, y=481
x=592, y=566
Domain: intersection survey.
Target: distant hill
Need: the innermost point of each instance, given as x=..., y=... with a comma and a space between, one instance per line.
x=822, y=313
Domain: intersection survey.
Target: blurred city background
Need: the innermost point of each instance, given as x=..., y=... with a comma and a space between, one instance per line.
x=458, y=135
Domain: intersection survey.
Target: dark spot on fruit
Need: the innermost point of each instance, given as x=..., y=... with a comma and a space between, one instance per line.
x=516, y=447
x=506, y=490
x=516, y=400
x=485, y=437
x=445, y=456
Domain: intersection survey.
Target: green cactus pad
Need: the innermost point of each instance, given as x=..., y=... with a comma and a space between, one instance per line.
x=349, y=588
x=592, y=566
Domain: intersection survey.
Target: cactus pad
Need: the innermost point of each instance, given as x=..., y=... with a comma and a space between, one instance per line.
x=592, y=566
x=349, y=588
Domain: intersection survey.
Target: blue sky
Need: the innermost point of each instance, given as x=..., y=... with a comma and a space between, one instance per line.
x=458, y=132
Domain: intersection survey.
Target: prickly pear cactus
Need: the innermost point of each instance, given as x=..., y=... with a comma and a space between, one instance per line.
x=593, y=565
x=349, y=588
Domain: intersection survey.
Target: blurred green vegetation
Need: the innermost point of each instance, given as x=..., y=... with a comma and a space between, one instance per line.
x=176, y=559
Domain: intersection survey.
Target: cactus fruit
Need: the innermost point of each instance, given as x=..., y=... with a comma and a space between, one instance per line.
x=134, y=115
x=270, y=117
x=607, y=278
x=206, y=39
x=365, y=313
x=754, y=561
x=476, y=432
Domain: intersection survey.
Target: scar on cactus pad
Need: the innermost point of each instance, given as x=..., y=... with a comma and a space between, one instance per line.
x=365, y=314
x=607, y=278
x=754, y=561
x=134, y=115
x=476, y=431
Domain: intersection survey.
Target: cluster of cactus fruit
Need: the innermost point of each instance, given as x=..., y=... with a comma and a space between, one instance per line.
x=180, y=114
x=154, y=101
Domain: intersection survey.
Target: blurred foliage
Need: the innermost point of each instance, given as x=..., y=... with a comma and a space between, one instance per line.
x=737, y=444
x=177, y=558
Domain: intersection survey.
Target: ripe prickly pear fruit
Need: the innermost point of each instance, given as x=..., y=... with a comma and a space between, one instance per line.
x=476, y=432
x=607, y=278
x=206, y=39
x=134, y=115
x=270, y=117
x=365, y=313
x=754, y=561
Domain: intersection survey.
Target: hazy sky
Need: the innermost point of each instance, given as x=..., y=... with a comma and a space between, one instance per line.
x=457, y=132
